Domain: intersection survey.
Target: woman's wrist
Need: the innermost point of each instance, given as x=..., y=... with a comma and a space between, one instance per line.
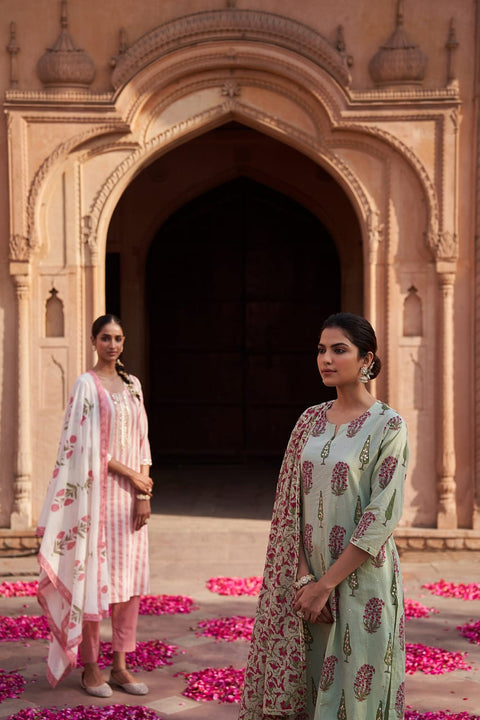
x=143, y=496
x=304, y=580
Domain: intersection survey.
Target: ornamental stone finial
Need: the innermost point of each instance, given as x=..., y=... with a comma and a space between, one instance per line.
x=65, y=66
x=13, y=48
x=399, y=61
x=451, y=45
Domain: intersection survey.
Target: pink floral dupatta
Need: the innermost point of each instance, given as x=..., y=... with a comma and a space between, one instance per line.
x=275, y=682
x=73, y=583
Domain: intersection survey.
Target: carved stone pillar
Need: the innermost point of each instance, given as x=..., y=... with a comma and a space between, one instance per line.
x=21, y=515
x=446, y=485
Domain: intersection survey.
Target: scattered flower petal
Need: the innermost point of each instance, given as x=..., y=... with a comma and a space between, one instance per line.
x=166, y=605
x=147, y=655
x=471, y=631
x=87, y=712
x=12, y=685
x=221, y=684
x=414, y=609
x=20, y=588
x=23, y=627
x=439, y=715
x=433, y=660
x=230, y=629
x=235, y=585
x=469, y=591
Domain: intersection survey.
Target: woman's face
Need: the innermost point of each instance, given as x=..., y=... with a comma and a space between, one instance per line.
x=109, y=342
x=338, y=359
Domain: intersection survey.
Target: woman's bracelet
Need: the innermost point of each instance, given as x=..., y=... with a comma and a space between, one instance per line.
x=143, y=497
x=304, y=580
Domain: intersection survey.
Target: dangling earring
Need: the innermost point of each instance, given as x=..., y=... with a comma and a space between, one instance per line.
x=366, y=373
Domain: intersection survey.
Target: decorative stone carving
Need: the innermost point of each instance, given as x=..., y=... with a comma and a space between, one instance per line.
x=13, y=49
x=342, y=48
x=226, y=26
x=400, y=61
x=451, y=46
x=231, y=89
x=65, y=65
x=122, y=47
x=445, y=246
x=19, y=249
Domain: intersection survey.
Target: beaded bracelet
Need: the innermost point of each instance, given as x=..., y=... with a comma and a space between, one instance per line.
x=304, y=580
x=143, y=497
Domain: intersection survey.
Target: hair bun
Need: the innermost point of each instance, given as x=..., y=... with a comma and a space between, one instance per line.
x=375, y=366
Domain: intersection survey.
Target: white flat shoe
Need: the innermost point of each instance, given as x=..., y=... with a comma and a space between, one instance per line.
x=132, y=688
x=103, y=690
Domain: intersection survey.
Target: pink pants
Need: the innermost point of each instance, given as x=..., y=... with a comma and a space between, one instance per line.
x=124, y=631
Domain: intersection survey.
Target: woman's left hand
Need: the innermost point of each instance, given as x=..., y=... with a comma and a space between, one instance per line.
x=142, y=513
x=311, y=601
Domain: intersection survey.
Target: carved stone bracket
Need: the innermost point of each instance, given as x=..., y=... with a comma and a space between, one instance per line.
x=89, y=238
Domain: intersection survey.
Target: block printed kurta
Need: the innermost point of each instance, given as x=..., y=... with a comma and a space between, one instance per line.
x=331, y=492
x=352, y=491
x=90, y=554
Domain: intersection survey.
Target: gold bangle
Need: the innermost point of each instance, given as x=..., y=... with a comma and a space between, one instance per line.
x=143, y=497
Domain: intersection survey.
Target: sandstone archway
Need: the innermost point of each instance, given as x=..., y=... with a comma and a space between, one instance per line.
x=281, y=79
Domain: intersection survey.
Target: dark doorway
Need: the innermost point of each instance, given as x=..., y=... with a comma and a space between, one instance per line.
x=238, y=282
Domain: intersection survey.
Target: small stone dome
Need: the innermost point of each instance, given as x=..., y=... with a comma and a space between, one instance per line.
x=399, y=61
x=65, y=65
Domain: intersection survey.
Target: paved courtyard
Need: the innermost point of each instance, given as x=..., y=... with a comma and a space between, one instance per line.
x=218, y=533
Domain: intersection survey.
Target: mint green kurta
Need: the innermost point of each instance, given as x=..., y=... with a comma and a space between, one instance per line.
x=352, y=491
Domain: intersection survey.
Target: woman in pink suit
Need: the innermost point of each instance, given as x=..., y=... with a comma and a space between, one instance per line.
x=94, y=552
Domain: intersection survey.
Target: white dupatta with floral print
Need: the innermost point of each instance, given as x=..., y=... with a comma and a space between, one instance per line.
x=73, y=583
x=275, y=677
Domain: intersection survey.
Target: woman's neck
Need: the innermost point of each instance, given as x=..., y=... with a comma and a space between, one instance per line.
x=353, y=398
x=105, y=369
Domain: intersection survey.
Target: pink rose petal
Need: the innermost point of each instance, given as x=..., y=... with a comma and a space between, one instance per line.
x=235, y=585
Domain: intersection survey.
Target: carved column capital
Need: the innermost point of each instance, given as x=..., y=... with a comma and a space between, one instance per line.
x=19, y=249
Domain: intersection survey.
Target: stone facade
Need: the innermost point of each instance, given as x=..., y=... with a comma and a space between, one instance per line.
x=376, y=115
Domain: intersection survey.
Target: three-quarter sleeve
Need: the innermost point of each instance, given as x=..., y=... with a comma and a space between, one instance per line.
x=384, y=510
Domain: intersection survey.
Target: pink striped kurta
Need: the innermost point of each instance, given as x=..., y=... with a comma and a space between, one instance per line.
x=90, y=555
x=127, y=548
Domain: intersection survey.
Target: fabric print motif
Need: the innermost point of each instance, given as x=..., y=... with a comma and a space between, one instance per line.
x=380, y=557
x=364, y=456
x=389, y=508
x=394, y=423
x=320, y=509
x=358, y=511
x=352, y=581
x=388, y=658
x=66, y=540
x=67, y=452
x=335, y=603
x=307, y=538
x=401, y=633
x=326, y=451
x=321, y=423
x=335, y=541
x=342, y=709
x=328, y=672
x=372, y=617
x=356, y=425
x=400, y=701
x=367, y=519
x=339, y=481
x=307, y=469
x=87, y=408
x=347, y=648
x=363, y=682
x=386, y=471
x=67, y=495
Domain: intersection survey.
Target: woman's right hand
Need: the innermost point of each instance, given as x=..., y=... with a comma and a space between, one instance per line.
x=142, y=483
